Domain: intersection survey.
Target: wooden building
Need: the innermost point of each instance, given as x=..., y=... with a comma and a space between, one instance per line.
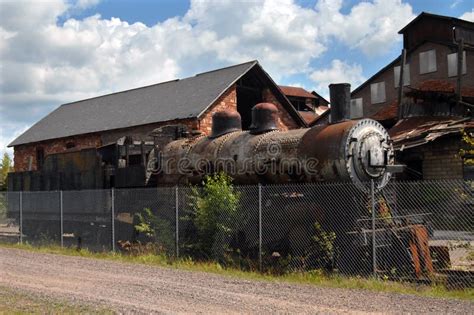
x=427, y=128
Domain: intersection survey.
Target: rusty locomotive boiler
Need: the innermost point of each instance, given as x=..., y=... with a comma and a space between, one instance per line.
x=353, y=151
x=356, y=151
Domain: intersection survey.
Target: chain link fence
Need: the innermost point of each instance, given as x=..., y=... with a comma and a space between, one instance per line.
x=418, y=231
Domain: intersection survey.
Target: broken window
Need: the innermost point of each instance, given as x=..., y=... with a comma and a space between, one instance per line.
x=428, y=61
x=356, y=108
x=453, y=64
x=377, y=92
x=299, y=103
x=406, y=75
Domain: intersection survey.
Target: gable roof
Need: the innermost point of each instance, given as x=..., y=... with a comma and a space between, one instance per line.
x=423, y=15
x=295, y=91
x=319, y=96
x=177, y=99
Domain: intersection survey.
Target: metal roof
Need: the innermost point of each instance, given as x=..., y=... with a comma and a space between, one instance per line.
x=178, y=99
x=415, y=131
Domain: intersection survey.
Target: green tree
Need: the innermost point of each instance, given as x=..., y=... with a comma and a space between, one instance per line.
x=215, y=213
x=6, y=166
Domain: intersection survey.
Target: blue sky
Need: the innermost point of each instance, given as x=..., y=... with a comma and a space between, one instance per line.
x=57, y=51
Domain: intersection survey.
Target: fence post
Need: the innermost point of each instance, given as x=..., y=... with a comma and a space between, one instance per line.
x=374, y=249
x=62, y=217
x=113, y=218
x=260, y=227
x=21, y=217
x=176, y=193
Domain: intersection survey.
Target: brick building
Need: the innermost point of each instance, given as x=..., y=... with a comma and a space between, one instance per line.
x=309, y=105
x=427, y=127
x=191, y=101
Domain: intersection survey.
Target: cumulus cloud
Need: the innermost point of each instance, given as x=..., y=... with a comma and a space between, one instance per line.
x=338, y=72
x=371, y=27
x=45, y=63
x=468, y=16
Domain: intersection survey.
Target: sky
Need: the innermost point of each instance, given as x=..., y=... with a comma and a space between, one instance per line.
x=58, y=51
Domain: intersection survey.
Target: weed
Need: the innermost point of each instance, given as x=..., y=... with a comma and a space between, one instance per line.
x=315, y=277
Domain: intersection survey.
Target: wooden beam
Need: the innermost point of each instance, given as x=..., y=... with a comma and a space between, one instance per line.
x=459, y=81
x=401, y=83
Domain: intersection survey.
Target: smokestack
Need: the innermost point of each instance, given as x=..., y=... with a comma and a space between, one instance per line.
x=340, y=97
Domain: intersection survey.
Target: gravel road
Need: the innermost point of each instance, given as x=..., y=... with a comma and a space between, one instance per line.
x=143, y=289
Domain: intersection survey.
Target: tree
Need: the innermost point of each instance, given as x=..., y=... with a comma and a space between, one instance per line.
x=5, y=167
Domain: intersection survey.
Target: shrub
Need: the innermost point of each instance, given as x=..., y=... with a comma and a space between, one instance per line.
x=214, y=212
x=155, y=230
x=322, y=250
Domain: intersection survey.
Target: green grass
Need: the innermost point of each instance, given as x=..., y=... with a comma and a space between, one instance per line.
x=17, y=302
x=311, y=278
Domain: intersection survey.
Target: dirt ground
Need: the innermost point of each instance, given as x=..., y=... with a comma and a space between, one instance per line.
x=137, y=288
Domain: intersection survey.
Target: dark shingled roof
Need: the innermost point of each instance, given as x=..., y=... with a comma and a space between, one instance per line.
x=178, y=99
x=424, y=15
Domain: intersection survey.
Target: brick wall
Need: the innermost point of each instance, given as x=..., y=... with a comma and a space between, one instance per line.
x=24, y=153
x=441, y=159
x=227, y=101
x=140, y=132
x=285, y=121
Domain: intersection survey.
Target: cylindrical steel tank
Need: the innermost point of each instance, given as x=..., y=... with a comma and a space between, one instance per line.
x=352, y=151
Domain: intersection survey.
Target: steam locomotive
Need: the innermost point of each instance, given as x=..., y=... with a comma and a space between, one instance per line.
x=356, y=151
x=353, y=151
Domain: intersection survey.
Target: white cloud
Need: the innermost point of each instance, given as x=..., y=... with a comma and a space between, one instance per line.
x=468, y=16
x=371, y=27
x=45, y=63
x=338, y=72
x=29, y=15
